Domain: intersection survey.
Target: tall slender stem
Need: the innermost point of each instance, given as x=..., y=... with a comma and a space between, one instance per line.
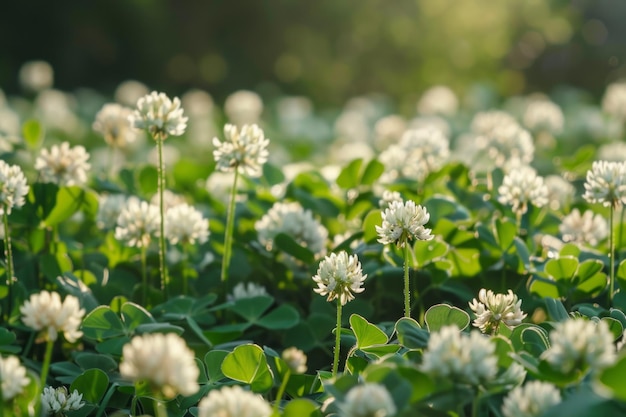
x=144, y=277
x=8, y=254
x=281, y=391
x=407, y=284
x=611, y=254
x=46, y=363
x=337, y=339
x=230, y=225
x=161, y=184
x=159, y=409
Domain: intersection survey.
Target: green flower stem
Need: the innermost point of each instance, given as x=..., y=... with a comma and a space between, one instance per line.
x=46, y=363
x=337, y=339
x=144, y=277
x=161, y=184
x=107, y=397
x=407, y=284
x=133, y=405
x=185, y=264
x=8, y=254
x=475, y=404
x=611, y=254
x=159, y=409
x=230, y=225
x=281, y=392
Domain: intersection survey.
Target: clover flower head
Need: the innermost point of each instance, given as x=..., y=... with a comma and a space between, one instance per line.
x=13, y=187
x=388, y=129
x=242, y=291
x=388, y=197
x=244, y=149
x=543, y=116
x=295, y=359
x=159, y=115
x=403, y=222
x=460, y=357
x=438, y=99
x=57, y=400
x=606, y=183
x=170, y=199
x=233, y=401
x=243, y=107
x=185, y=224
x=137, y=223
x=492, y=309
x=129, y=91
x=521, y=187
x=36, y=75
x=580, y=344
x=614, y=100
x=109, y=208
x=164, y=361
x=612, y=152
x=63, y=165
x=339, y=276
x=531, y=400
x=560, y=191
x=368, y=400
x=485, y=122
x=295, y=221
x=588, y=228
x=112, y=122
x=12, y=377
x=45, y=312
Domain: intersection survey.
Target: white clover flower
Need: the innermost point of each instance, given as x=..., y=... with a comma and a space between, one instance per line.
x=403, y=222
x=485, y=122
x=431, y=122
x=368, y=400
x=128, y=92
x=293, y=220
x=244, y=149
x=507, y=145
x=531, y=400
x=439, y=99
x=13, y=187
x=112, y=122
x=339, y=276
x=164, y=361
x=521, y=187
x=460, y=357
x=492, y=309
x=242, y=291
x=36, y=75
x=580, y=344
x=560, y=191
x=614, y=100
x=233, y=401
x=543, y=115
x=389, y=197
x=12, y=377
x=388, y=130
x=159, y=115
x=46, y=313
x=137, y=223
x=63, y=165
x=56, y=110
x=243, y=107
x=513, y=375
x=109, y=208
x=58, y=400
x=606, y=183
x=170, y=199
x=612, y=152
x=295, y=359
x=185, y=224
x=588, y=228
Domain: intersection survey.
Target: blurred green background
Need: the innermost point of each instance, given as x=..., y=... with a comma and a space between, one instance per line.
x=328, y=50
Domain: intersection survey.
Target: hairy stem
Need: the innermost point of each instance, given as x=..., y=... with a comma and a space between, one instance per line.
x=161, y=185
x=337, y=339
x=228, y=233
x=8, y=254
x=407, y=283
x=611, y=254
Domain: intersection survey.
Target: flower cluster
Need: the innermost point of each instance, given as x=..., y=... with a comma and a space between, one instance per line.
x=159, y=115
x=588, y=228
x=242, y=291
x=369, y=399
x=403, y=222
x=244, y=149
x=184, y=224
x=137, y=223
x=606, y=183
x=112, y=122
x=12, y=377
x=13, y=187
x=63, y=165
x=492, y=309
x=439, y=99
x=530, y=400
x=164, y=361
x=233, y=402
x=580, y=344
x=293, y=220
x=46, y=313
x=339, y=276
x=521, y=187
x=544, y=116
x=614, y=100
x=461, y=358
x=295, y=359
x=58, y=400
